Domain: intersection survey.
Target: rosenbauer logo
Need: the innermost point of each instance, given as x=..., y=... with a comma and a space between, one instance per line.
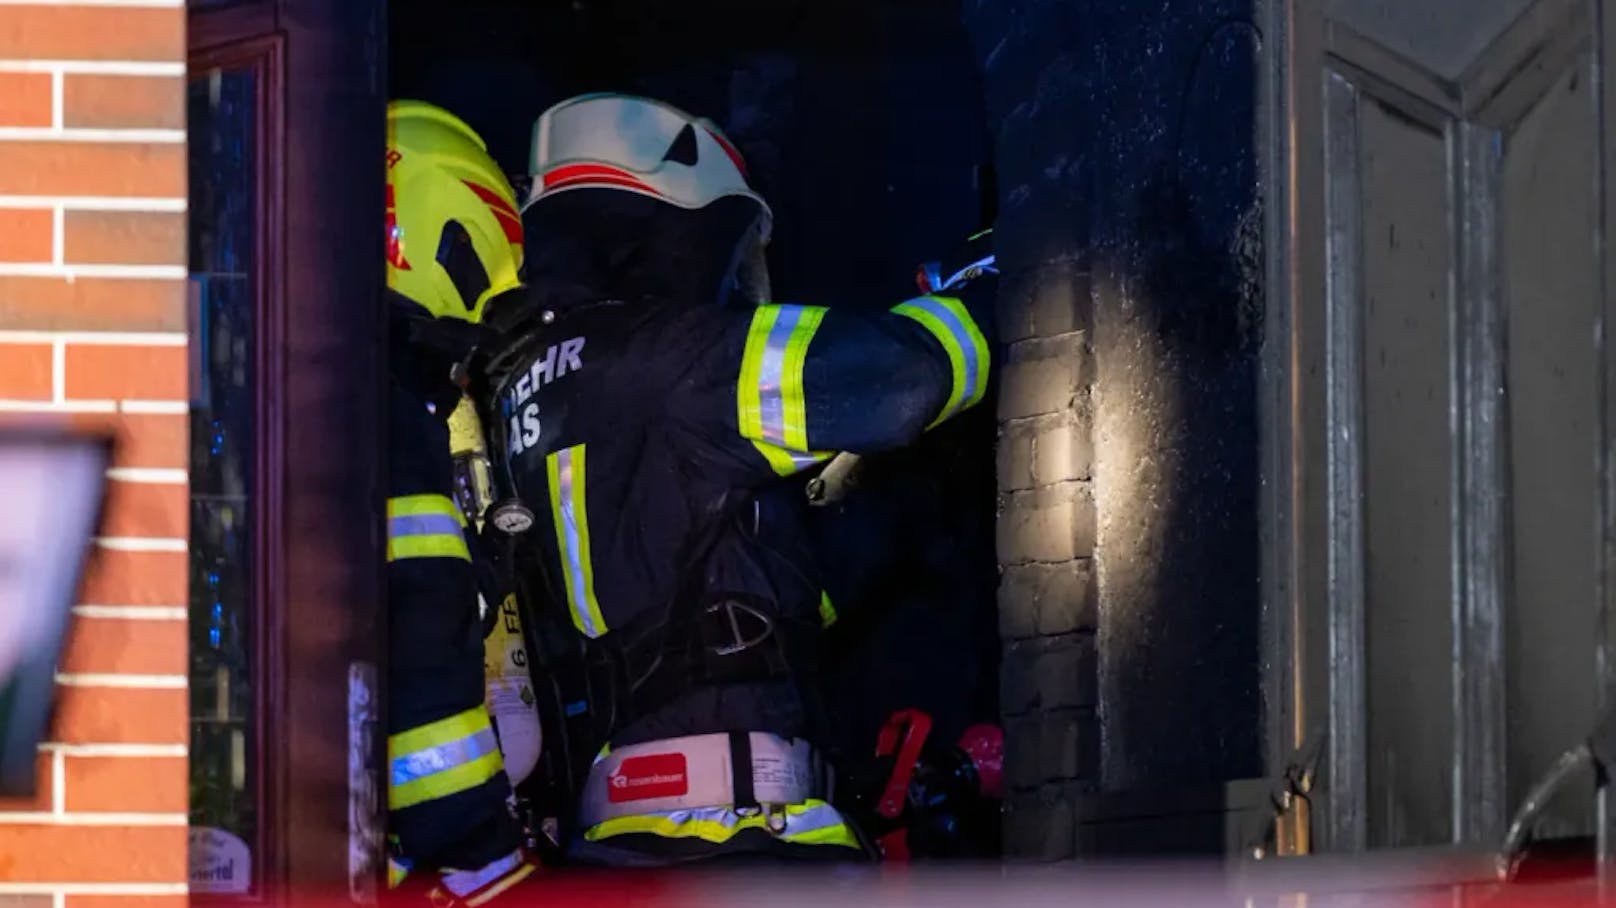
x=644, y=778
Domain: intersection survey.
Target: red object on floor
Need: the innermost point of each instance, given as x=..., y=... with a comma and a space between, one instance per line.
x=910, y=727
x=984, y=744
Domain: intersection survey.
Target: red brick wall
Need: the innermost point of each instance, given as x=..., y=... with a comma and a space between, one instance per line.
x=92, y=322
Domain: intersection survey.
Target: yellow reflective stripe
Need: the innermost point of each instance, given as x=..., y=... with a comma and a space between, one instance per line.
x=568, y=509
x=425, y=526
x=420, y=505
x=511, y=879
x=787, y=463
x=827, y=610
x=771, y=402
x=436, y=546
x=452, y=781
x=397, y=871
x=749, y=415
x=820, y=824
x=947, y=320
x=441, y=743
x=455, y=727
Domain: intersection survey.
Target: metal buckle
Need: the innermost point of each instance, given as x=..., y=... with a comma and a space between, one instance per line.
x=731, y=616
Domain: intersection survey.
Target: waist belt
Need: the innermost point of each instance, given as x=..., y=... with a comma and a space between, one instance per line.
x=701, y=771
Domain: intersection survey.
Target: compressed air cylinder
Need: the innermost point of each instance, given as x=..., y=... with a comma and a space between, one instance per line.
x=509, y=681
x=509, y=693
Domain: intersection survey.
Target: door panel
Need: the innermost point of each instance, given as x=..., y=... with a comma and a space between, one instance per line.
x=1551, y=282
x=1435, y=432
x=1407, y=472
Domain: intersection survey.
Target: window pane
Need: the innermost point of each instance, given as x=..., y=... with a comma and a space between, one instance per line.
x=223, y=234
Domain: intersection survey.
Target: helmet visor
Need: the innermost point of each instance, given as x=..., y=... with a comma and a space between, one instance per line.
x=636, y=144
x=631, y=132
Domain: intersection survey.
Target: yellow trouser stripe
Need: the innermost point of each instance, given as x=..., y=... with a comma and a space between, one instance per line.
x=522, y=872
x=968, y=357
x=452, y=781
x=569, y=509
x=442, y=758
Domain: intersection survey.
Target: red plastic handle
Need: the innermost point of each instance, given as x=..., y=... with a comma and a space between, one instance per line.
x=911, y=726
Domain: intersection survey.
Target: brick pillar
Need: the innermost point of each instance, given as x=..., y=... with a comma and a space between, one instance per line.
x=1036, y=106
x=92, y=332
x=1124, y=150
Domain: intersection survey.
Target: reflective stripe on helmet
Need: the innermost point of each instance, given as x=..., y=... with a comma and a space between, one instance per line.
x=425, y=526
x=771, y=405
x=442, y=758
x=504, y=211
x=568, y=500
x=948, y=321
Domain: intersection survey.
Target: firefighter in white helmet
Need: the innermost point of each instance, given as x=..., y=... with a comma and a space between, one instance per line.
x=454, y=242
x=649, y=402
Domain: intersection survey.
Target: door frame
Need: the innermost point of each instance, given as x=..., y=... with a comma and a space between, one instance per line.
x=320, y=350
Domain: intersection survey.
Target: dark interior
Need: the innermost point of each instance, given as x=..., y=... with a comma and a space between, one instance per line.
x=862, y=124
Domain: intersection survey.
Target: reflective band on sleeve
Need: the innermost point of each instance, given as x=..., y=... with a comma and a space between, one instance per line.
x=441, y=759
x=947, y=320
x=827, y=610
x=568, y=508
x=810, y=823
x=425, y=526
x=786, y=462
x=771, y=408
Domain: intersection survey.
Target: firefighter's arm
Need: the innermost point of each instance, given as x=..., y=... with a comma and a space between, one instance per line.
x=435, y=670
x=791, y=385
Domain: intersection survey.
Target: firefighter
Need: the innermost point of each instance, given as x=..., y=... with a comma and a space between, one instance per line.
x=649, y=405
x=454, y=242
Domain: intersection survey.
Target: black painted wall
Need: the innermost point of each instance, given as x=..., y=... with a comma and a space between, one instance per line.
x=1125, y=150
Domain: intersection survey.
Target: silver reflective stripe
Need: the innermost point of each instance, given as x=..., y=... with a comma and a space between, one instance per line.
x=815, y=818
x=432, y=760
x=771, y=376
x=803, y=460
x=962, y=339
x=422, y=525
x=723, y=816
x=569, y=504
x=465, y=882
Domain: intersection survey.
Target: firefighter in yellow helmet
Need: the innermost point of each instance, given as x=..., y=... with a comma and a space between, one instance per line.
x=454, y=242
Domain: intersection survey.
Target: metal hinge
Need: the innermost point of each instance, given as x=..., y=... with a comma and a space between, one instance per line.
x=1286, y=831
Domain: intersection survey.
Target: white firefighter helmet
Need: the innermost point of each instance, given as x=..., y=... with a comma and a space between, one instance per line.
x=639, y=145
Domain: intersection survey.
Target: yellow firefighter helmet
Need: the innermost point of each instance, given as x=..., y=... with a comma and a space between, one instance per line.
x=454, y=238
